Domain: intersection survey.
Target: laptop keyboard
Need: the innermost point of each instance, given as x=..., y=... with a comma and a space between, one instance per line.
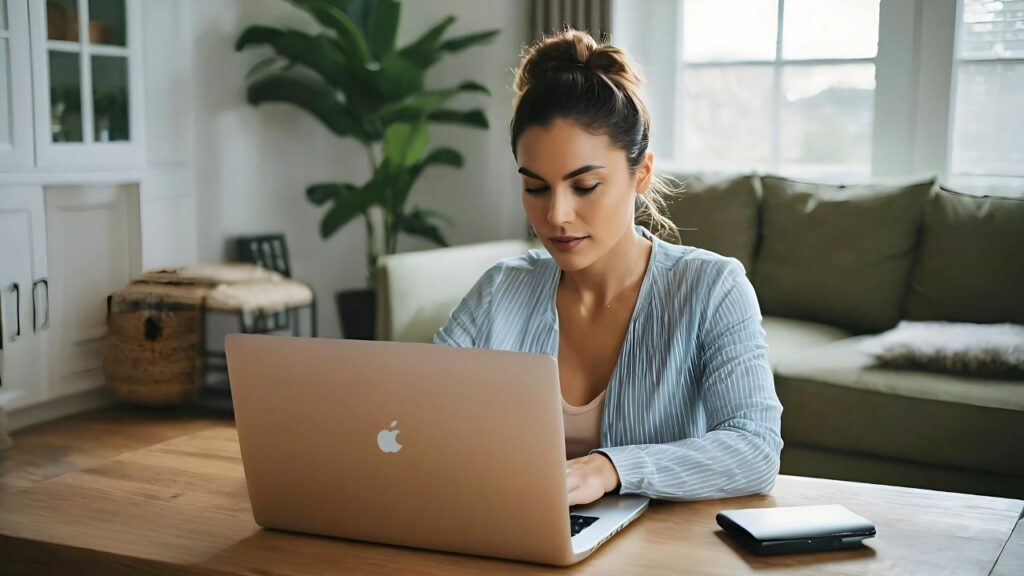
x=577, y=522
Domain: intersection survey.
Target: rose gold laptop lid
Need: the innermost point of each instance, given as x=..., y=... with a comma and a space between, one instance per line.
x=401, y=443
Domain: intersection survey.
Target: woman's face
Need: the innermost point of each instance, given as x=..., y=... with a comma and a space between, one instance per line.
x=578, y=191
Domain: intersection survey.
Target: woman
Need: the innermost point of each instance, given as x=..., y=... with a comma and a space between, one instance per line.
x=666, y=386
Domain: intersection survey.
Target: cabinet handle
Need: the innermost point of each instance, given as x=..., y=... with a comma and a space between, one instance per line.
x=46, y=320
x=17, y=311
x=3, y=333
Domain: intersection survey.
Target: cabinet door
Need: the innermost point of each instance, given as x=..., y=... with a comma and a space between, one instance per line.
x=16, y=147
x=92, y=250
x=87, y=70
x=23, y=297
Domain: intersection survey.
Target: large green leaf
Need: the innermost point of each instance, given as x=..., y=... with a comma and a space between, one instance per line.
x=405, y=142
x=382, y=27
x=419, y=222
x=397, y=77
x=438, y=156
x=473, y=118
x=442, y=156
x=310, y=94
x=257, y=35
x=424, y=102
x=320, y=194
x=350, y=37
x=423, y=51
x=322, y=55
x=347, y=202
x=457, y=43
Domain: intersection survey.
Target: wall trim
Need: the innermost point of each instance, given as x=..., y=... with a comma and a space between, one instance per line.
x=59, y=408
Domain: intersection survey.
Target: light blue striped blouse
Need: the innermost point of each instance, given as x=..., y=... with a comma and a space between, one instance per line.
x=691, y=410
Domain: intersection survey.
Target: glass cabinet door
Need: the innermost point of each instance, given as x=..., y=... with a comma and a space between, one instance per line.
x=90, y=79
x=15, y=87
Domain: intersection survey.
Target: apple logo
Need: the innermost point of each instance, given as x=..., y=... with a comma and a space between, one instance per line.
x=386, y=439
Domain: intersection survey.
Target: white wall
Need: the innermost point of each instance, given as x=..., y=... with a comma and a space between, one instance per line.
x=252, y=165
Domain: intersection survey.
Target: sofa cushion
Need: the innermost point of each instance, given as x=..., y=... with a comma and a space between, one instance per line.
x=970, y=265
x=835, y=398
x=719, y=214
x=837, y=254
x=786, y=337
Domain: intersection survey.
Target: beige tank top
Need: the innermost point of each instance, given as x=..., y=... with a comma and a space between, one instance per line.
x=582, y=426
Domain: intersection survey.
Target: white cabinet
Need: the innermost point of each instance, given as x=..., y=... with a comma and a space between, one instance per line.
x=87, y=72
x=92, y=249
x=88, y=198
x=24, y=314
x=54, y=326
x=16, y=142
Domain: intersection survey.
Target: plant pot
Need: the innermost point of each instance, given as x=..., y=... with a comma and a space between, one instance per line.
x=357, y=310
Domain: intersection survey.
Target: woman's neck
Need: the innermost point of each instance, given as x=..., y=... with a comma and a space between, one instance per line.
x=597, y=286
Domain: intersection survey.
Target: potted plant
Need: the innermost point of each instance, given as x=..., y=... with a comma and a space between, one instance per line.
x=353, y=77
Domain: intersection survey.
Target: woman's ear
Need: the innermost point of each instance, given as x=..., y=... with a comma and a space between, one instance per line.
x=645, y=172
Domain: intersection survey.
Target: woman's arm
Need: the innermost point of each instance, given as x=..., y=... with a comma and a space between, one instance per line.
x=740, y=453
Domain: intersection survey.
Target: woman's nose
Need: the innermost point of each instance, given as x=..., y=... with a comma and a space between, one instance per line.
x=561, y=207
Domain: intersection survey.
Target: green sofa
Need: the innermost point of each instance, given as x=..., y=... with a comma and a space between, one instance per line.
x=831, y=266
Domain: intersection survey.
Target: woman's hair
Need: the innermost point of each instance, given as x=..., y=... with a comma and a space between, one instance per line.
x=568, y=75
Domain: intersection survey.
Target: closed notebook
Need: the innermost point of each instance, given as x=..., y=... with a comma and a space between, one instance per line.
x=796, y=529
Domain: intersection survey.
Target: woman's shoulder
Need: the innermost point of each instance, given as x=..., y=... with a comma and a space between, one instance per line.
x=681, y=263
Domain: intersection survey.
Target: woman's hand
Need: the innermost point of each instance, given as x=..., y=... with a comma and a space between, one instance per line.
x=590, y=477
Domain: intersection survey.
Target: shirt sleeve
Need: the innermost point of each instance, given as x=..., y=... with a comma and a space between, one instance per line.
x=464, y=324
x=740, y=453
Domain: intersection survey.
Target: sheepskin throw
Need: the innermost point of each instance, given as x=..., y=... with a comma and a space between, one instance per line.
x=993, y=350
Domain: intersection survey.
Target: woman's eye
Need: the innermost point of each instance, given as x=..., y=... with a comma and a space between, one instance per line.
x=536, y=190
x=587, y=190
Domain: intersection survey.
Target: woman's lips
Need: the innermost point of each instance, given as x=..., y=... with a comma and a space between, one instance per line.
x=567, y=243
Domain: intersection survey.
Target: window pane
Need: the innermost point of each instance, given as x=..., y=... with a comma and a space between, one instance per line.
x=988, y=130
x=107, y=22
x=826, y=119
x=62, y=20
x=737, y=30
x=830, y=29
x=992, y=29
x=110, y=97
x=5, y=94
x=65, y=97
x=727, y=118
x=3, y=14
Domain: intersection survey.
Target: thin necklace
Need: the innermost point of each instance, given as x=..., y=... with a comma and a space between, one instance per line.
x=621, y=290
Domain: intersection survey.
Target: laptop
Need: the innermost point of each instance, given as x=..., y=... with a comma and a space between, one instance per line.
x=451, y=449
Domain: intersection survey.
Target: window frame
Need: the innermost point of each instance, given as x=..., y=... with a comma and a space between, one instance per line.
x=915, y=88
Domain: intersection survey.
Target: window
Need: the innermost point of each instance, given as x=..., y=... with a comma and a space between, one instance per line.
x=777, y=85
x=846, y=90
x=988, y=117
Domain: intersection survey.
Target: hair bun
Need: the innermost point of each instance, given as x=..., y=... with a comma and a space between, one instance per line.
x=571, y=51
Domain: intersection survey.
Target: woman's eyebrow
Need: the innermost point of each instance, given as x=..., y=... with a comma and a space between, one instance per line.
x=573, y=174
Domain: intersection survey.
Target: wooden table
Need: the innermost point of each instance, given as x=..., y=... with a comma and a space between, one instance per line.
x=181, y=507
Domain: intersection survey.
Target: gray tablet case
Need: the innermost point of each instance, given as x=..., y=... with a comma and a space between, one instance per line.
x=767, y=531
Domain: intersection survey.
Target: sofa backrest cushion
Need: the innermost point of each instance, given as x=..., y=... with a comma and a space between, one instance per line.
x=970, y=266
x=719, y=214
x=837, y=254
x=417, y=291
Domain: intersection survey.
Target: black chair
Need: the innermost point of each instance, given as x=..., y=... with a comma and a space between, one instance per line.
x=269, y=251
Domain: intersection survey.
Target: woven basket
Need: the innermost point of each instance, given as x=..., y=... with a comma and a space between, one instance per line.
x=152, y=355
x=152, y=350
